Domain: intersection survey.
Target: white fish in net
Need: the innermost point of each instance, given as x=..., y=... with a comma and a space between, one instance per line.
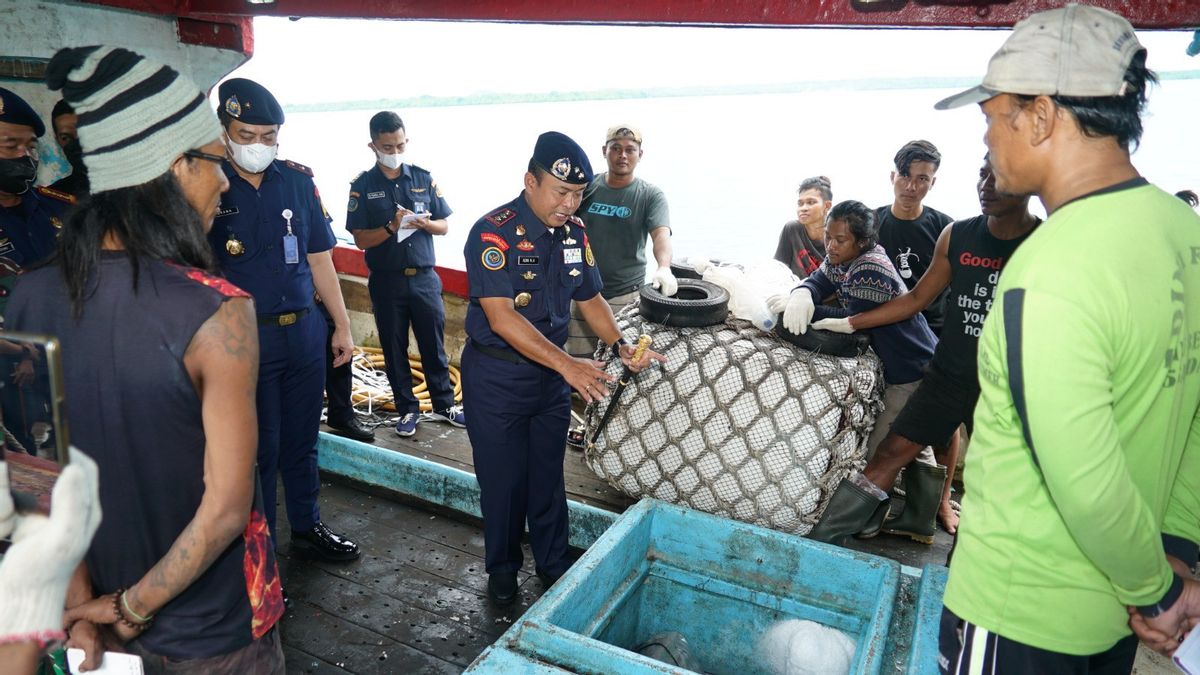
x=739, y=423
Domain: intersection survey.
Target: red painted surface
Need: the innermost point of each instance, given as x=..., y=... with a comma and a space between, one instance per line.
x=923, y=13
x=349, y=260
x=235, y=34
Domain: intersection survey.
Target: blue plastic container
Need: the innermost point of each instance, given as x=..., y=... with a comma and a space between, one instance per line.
x=720, y=583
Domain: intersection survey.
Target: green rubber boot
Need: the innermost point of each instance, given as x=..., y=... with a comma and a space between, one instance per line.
x=922, y=495
x=850, y=511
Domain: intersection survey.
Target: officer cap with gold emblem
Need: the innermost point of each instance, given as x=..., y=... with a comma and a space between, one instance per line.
x=248, y=102
x=14, y=110
x=561, y=157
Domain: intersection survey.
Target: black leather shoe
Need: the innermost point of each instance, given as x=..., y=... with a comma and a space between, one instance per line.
x=353, y=429
x=323, y=544
x=547, y=579
x=502, y=588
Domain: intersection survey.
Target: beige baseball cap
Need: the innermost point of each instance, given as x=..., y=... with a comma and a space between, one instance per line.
x=624, y=131
x=1077, y=50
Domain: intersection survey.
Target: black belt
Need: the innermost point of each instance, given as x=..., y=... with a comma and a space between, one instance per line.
x=497, y=353
x=285, y=319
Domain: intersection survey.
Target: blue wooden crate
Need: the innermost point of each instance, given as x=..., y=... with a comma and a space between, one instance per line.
x=720, y=583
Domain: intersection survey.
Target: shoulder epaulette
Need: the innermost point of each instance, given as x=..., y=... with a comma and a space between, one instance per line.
x=499, y=218
x=578, y=222
x=56, y=194
x=298, y=167
x=417, y=168
x=358, y=177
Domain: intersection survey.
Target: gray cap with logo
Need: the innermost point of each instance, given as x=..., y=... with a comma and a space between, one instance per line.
x=1077, y=50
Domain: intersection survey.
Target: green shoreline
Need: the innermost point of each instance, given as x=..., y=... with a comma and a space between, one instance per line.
x=870, y=84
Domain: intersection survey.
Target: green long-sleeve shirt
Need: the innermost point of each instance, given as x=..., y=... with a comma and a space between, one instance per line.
x=1087, y=443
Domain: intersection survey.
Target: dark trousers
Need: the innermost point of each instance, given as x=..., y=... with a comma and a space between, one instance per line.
x=967, y=649
x=399, y=302
x=519, y=418
x=291, y=379
x=339, y=381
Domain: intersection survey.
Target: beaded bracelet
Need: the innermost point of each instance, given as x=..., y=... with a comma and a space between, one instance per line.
x=118, y=600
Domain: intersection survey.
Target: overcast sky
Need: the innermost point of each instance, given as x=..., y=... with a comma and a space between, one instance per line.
x=322, y=60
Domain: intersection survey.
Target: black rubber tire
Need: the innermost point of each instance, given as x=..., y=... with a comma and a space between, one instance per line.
x=697, y=303
x=827, y=342
x=683, y=270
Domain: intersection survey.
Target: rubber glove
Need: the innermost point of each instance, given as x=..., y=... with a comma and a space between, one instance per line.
x=797, y=308
x=665, y=282
x=834, y=325
x=45, y=551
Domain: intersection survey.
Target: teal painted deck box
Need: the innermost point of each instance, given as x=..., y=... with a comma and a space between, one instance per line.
x=720, y=583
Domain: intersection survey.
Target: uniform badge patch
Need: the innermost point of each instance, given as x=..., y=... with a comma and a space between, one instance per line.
x=493, y=238
x=376, y=195
x=561, y=168
x=520, y=230
x=587, y=253
x=227, y=211
x=572, y=256
x=55, y=222
x=233, y=107
x=525, y=245
x=574, y=272
x=492, y=258
x=522, y=299
x=570, y=241
x=501, y=217
x=529, y=276
x=352, y=206
x=527, y=260
x=417, y=190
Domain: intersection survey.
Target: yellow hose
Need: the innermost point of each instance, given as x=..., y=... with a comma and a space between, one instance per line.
x=384, y=401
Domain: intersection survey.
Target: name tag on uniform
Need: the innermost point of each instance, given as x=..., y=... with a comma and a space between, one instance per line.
x=227, y=211
x=376, y=195
x=291, y=249
x=572, y=256
x=527, y=260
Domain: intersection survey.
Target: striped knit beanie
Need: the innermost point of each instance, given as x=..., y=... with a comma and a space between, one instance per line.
x=135, y=116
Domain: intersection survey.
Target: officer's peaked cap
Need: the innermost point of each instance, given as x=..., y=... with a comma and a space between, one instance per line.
x=561, y=157
x=249, y=102
x=14, y=110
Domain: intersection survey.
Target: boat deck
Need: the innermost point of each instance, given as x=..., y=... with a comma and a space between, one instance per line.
x=416, y=601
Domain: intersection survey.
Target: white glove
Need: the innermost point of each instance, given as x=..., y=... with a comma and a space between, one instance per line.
x=665, y=282
x=45, y=551
x=797, y=308
x=699, y=264
x=834, y=325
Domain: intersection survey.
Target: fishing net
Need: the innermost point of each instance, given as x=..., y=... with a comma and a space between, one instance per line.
x=739, y=423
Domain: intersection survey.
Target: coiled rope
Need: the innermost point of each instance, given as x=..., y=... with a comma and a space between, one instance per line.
x=371, y=394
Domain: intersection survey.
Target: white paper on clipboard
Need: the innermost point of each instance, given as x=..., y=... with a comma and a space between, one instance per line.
x=114, y=663
x=403, y=232
x=1187, y=657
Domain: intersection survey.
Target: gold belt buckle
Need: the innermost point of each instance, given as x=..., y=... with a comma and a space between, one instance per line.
x=287, y=319
x=410, y=271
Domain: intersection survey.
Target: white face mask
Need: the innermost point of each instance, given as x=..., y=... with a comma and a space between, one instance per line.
x=390, y=161
x=255, y=157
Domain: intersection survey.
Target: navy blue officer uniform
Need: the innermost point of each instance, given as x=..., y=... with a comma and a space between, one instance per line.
x=29, y=229
x=520, y=410
x=249, y=238
x=405, y=289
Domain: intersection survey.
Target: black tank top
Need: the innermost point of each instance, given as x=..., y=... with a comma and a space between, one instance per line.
x=131, y=406
x=976, y=258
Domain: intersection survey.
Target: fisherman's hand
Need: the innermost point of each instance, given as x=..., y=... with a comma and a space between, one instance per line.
x=1164, y=632
x=45, y=551
x=835, y=325
x=342, y=346
x=665, y=282
x=797, y=308
x=587, y=377
x=399, y=215
x=102, y=612
x=93, y=640
x=649, y=355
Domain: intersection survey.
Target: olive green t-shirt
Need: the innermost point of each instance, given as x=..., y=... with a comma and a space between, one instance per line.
x=618, y=222
x=1086, y=445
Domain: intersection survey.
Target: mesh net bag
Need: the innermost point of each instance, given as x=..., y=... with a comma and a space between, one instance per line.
x=739, y=423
